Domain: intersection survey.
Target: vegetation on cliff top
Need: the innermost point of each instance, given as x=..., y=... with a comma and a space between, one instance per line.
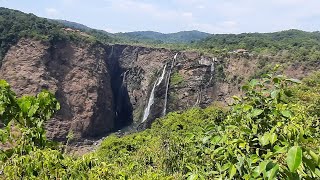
x=270, y=132
x=15, y=25
x=291, y=45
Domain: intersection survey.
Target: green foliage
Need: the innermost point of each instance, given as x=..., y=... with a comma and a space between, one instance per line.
x=15, y=25
x=159, y=38
x=265, y=127
x=265, y=135
x=24, y=120
x=291, y=44
x=272, y=132
x=176, y=79
x=163, y=149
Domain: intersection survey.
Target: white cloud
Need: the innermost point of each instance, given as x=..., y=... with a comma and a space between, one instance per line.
x=69, y=2
x=52, y=12
x=217, y=28
x=229, y=24
x=111, y=30
x=200, y=7
x=214, y=16
x=187, y=15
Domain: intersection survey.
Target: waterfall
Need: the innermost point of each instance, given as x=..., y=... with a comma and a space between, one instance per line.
x=111, y=53
x=162, y=75
x=124, y=77
x=150, y=102
x=199, y=97
x=167, y=85
x=151, y=98
x=212, y=68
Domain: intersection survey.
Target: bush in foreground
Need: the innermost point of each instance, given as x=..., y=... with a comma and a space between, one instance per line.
x=272, y=132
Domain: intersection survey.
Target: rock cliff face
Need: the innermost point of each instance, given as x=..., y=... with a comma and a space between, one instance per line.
x=76, y=74
x=104, y=88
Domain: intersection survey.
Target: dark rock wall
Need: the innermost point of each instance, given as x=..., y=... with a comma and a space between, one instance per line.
x=76, y=73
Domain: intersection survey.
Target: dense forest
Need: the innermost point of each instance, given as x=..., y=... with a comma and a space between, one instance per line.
x=270, y=132
x=291, y=44
x=15, y=25
x=158, y=38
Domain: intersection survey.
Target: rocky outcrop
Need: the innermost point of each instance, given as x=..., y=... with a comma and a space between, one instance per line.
x=77, y=75
x=103, y=88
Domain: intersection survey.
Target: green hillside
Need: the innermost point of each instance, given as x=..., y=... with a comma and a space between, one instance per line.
x=73, y=25
x=16, y=24
x=156, y=37
x=293, y=44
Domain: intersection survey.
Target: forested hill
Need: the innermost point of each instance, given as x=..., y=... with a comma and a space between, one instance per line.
x=157, y=37
x=73, y=25
x=290, y=44
x=16, y=24
x=300, y=43
x=148, y=37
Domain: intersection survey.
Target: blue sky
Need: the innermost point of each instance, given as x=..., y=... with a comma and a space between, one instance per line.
x=213, y=16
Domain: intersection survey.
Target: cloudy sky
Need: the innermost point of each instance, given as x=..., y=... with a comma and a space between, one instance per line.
x=213, y=16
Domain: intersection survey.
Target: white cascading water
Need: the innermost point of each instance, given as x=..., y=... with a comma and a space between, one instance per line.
x=167, y=85
x=111, y=54
x=124, y=78
x=212, y=68
x=162, y=75
x=151, y=98
x=198, y=97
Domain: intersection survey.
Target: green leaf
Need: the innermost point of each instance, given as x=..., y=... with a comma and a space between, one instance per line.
x=2, y=109
x=193, y=177
x=294, y=80
x=288, y=93
x=205, y=139
x=236, y=98
x=314, y=157
x=273, y=138
x=33, y=109
x=317, y=172
x=274, y=94
x=278, y=149
x=272, y=173
x=245, y=88
x=265, y=139
x=256, y=112
x=258, y=170
x=232, y=171
x=276, y=80
x=294, y=158
x=286, y=113
x=216, y=139
x=246, y=107
x=25, y=104
x=4, y=84
x=254, y=82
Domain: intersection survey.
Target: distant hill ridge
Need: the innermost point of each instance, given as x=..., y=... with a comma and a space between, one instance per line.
x=178, y=37
x=147, y=36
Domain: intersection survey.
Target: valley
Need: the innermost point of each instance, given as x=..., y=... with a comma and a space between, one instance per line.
x=130, y=106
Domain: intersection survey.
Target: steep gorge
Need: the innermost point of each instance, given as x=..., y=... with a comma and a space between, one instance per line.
x=103, y=88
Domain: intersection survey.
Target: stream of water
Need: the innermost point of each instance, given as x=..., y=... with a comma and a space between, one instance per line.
x=167, y=85
x=151, y=97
